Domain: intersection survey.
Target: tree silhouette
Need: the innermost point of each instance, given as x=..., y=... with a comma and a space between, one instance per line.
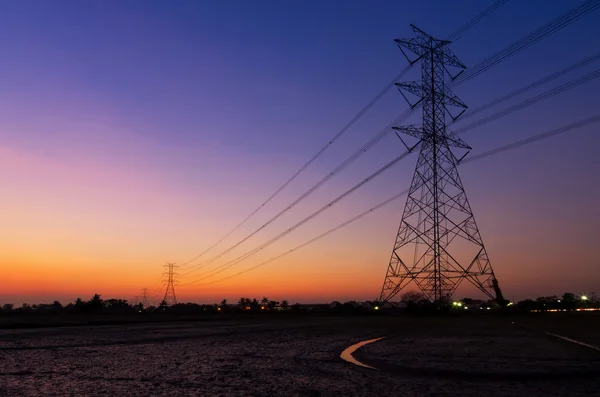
x=284, y=304
x=568, y=301
x=245, y=303
x=163, y=305
x=79, y=304
x=95, y=304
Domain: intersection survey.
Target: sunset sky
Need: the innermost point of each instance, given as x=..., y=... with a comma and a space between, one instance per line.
x=133, y=133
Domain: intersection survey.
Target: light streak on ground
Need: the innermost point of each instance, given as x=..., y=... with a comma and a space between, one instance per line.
x=347, y=353
x=573, y=341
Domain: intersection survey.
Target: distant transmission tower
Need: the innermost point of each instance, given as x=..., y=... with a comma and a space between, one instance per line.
x=170, y=291
x=145, y=303
x=438, y=244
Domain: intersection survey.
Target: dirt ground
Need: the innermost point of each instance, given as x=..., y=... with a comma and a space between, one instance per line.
x=470, y=356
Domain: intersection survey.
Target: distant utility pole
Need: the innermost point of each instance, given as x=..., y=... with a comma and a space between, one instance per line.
x=145, y=298
x=171, y=281
x=438, y=244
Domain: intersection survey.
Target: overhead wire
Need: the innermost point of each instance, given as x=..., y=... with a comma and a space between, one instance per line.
x=498, y=57
x=366, y=147
x=495, y=59
x=456, y=34
x=480, y=156
x=490, y=118
x=453, y=36
x=542, y=32
x=327, y=206
x=348, y=161
x=534, y=138
x=530, y=86
x=307, y=164
x=531, y=101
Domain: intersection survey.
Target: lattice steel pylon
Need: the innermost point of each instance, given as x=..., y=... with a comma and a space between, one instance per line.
x=145, y=302
x=170, y=273
x=438, y=244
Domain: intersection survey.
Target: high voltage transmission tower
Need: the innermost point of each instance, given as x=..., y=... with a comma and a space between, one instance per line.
x=438, y=244
x=145, y=302
x=170, y=273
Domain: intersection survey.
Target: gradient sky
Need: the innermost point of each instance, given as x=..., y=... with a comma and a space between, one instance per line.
x=138, y=132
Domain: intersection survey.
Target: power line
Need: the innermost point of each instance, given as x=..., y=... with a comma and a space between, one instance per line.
x=305, y=166
x=320, y=236
x=384, y=131
x=530, y=39
x=493, y=117
x=502, y=55
x=531, y=86
x=531, y=101
x=535, y=138
x=456, y=34
x=339, y=198
x=490, y=118
x=480, y=156
x=358, y=153
x=481, y=66
x=453, y=36
x=522, y=44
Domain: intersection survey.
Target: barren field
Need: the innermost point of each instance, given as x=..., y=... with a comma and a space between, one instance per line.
x=466, y=356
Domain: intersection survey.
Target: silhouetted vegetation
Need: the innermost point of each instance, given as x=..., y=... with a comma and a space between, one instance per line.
x=97, y=308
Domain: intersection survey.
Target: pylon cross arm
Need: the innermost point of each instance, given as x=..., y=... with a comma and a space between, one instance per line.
x=413, y=46
x=454, y=140
x=415, y=88
x=412, y=130
x=452, y=60
x=451, y=99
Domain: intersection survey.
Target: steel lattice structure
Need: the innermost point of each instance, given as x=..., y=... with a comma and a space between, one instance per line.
x=145, y=302
x=170, y=273
x=438, y=244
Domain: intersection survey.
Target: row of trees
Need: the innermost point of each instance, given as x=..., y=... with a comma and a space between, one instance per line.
x=253, y=304
x=568, y=301
x=97, y=305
